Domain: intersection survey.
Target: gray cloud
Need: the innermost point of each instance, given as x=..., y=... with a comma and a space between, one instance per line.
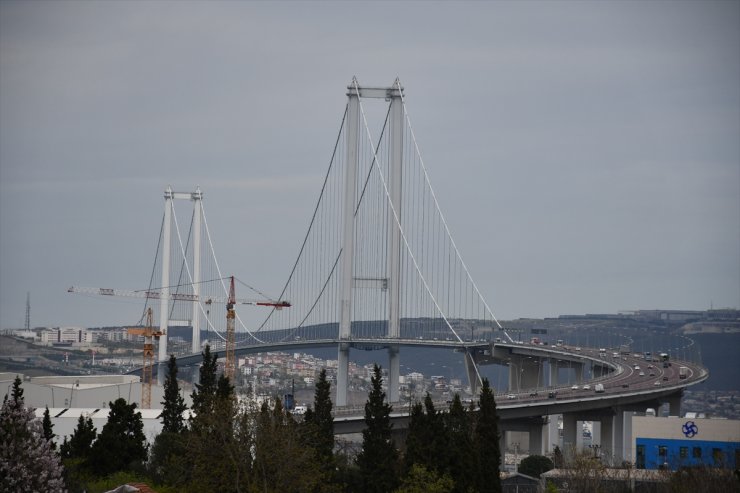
x=585, y=154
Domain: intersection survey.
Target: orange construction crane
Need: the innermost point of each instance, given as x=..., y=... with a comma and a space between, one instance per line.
x=146, y=372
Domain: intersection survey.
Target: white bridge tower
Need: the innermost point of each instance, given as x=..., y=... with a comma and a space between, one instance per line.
x=164, y=320
x=393, y=261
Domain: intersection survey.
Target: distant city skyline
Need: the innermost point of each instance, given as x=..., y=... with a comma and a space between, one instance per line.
x=585, y=154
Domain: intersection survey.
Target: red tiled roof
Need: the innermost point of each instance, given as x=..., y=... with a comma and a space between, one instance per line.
x=143, y=487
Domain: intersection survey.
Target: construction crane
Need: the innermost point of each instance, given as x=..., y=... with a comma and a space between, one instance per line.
x=155, y=294
x=146, y=371
x=230, y=367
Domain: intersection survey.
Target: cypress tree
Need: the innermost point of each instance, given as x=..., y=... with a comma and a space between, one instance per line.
x=487, y=442
x=378, y=459
x=323, y=420
x=415, y=444
x=173, y=404
x=205, y=391
x=426, y=444
x=48, y=429
x=462, y=460
x=80, y=443
x=17, y=393
x=122, y=443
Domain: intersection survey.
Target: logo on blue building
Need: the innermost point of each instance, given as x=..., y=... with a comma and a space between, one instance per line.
x=690, y=429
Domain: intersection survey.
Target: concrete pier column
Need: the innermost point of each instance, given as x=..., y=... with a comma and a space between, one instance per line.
x=342, y=374
x=570, y=434
x=554, y=370
x=515, y=372
x=472, y=372
x=536, y=439
x=674, y=405
x=606, y=439
x=394, y=370
x=533, y=374
x=553, y=434
x=580, y=371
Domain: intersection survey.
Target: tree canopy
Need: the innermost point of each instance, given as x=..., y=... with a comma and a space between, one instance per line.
x=27, y=460
x=378, y=460
x=173, y=404
x=121, y=443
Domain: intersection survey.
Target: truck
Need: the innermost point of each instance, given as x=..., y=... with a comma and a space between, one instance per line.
x=683, y=372
x=624, y=349
x=599, y=388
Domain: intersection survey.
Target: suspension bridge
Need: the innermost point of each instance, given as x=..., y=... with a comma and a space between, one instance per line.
x=377, y=266
x=377, y=269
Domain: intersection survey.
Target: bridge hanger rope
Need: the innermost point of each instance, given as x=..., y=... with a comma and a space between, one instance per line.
x=395, y=213
x=308, y=232
x=223, y=285
x=190, y=277
x=439, y=210
x=154, y=269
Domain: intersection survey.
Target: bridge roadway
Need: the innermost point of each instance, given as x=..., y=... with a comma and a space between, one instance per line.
x=622, y=383
x=528, y=409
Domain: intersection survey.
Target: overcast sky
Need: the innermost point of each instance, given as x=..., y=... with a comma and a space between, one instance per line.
x=586, y=154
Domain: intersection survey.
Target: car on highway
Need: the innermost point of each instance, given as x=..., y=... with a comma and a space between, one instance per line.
x=533, y=393
x=578, y=349
x=657, y=382
x=511, y=396
x=575, y=387
x=642, y=373
x=637, y=367
x=665, y=378
x=552, y=395
x=625, y=385
x=586, y=387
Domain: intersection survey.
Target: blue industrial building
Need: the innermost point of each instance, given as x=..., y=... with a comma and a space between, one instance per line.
x=674, y=442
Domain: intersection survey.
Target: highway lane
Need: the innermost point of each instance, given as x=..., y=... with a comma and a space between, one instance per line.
x=623, y=380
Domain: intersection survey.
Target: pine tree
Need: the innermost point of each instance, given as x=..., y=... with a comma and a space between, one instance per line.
x=173, y=404
x=224, y=389
x=426, y=444
x=378, y=460
x=48, y=429
x=487, y=442
x=121, y=443
x=205, y=391
x=415, y=444
x=462, y=460
x=80, y=443
x=27, y=461
x=323, y=421
x=17, y=393
x=282, y=461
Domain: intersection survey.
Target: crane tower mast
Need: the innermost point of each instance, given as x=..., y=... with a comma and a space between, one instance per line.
x=230, y=335
x=146, y=371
